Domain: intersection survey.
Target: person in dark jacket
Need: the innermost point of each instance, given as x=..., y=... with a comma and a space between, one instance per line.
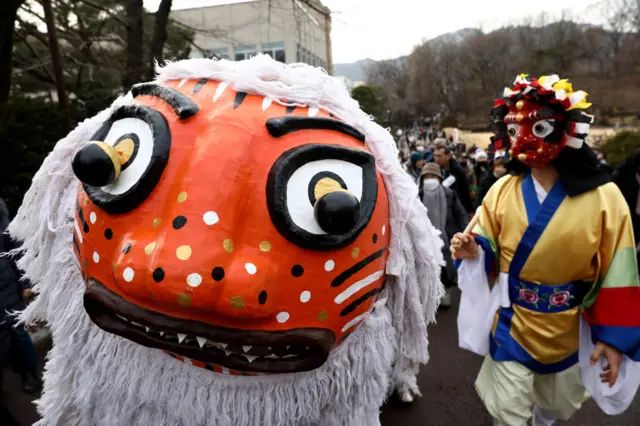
x=416, y=161
x=5, y=349
x=450, y=167
x=499, y=170
x=627, y=177
x=427, y=154
x=472, y=180
x=6, y=417
x=13, y=294
x=447, y=215
x=482, y=167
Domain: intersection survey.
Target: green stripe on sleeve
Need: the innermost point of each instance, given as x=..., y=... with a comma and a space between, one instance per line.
x=623, y=270
x=482, y=233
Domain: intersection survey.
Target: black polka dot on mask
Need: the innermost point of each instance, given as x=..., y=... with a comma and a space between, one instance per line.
x=179, y=222
x=297, y=271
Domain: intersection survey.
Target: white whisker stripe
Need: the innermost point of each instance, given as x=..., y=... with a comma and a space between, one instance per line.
x=581, y=128
x=354, y=288
x=573, y=142
x=266, y=103
x=354, y=321
x=220, y=90
x=77, y=228
x=182, y=82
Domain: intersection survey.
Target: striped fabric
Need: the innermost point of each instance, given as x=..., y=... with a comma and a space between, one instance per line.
x=614, y=311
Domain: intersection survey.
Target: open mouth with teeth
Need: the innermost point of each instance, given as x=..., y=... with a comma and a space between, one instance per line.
x=256, y=351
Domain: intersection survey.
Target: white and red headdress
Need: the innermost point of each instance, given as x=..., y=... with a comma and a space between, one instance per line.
x=537, y=118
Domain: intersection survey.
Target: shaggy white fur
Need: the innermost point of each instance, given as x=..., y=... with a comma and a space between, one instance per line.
x=96, y=378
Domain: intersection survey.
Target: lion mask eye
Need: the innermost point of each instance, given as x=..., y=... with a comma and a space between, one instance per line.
x=322, y=196
x=125, y=159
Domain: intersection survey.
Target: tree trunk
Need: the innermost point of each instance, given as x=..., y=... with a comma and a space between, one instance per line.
x=8, y=13
x=56, y=62
x=135, y=47
x=159, y=37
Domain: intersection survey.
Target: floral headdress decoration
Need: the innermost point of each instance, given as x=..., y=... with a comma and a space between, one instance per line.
x=556, y=94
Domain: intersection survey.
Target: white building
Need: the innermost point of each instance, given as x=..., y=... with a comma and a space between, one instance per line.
x=287, y=30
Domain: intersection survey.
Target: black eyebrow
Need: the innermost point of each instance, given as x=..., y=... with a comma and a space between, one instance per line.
x=281, y=126
x=181, y=105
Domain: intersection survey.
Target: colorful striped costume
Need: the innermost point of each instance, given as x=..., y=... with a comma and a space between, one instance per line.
x=555, y=262
x=563, y=263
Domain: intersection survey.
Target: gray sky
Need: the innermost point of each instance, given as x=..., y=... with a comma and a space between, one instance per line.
x=381, y=29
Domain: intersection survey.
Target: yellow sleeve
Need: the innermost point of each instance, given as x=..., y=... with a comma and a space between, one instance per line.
x=487, y=230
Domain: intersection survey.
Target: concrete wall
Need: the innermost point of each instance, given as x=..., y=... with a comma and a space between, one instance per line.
x=257, y=25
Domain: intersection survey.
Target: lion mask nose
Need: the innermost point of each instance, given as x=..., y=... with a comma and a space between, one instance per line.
x=96, y=164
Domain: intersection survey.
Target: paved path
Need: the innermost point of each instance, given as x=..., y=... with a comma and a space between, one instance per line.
x=20, y=404
x=447, y=384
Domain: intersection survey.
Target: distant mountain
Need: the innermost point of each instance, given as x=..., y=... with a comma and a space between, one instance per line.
x=356, y=71
x=456, y=36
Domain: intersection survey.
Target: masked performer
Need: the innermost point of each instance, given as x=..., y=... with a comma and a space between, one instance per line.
x=234, y=243
x=556, y=236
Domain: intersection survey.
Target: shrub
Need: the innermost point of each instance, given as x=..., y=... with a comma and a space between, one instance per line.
x=621, y=145
x=371, y=101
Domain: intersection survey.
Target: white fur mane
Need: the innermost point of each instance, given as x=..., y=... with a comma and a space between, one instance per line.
x=93, y=377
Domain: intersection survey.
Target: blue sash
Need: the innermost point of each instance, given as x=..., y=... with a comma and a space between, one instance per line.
x=547, y=298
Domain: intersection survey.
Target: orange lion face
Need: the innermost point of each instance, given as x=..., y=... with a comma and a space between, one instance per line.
x=231, y=232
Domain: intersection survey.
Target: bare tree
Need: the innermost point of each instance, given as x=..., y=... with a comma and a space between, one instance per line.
x=485, y=57
x=621, y=27
x=392, y=78
x=8, y=14
x=441, y=75
x=56, y=62
x=135, y=37
x=159, y=36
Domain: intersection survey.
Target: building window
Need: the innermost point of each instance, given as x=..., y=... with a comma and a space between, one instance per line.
x=245, y=52
x=275, y=50
x=221, y=53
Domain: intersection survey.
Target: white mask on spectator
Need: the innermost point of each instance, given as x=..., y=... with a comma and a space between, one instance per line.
x=431, y=183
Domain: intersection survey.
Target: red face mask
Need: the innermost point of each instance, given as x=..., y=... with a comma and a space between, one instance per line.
x=528, y=126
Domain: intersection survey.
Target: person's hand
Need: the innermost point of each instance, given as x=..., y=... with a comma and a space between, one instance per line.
x=27, y=293
x=463, y=246
x=614, y=359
